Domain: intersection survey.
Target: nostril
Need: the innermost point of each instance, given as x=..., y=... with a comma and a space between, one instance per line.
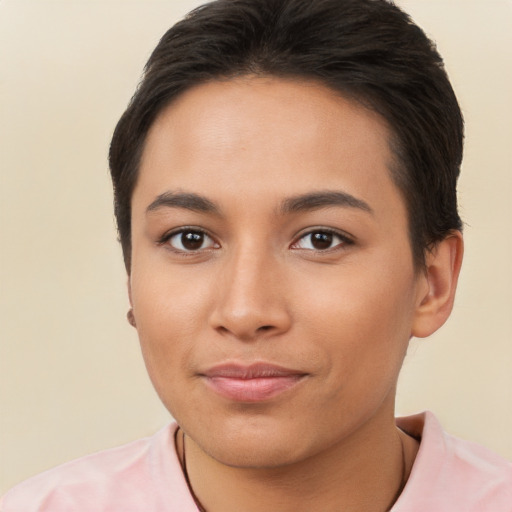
x=264, y=328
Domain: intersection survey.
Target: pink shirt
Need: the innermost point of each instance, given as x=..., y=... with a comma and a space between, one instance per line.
x=449, y=475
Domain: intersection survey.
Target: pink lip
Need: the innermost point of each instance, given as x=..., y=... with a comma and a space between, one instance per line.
x=254, y=383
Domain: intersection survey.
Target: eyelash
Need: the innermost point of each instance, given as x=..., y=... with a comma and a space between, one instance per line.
x=165, y=239
x=345, y=240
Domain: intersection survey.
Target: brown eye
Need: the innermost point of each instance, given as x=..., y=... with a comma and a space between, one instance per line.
x=321, y=241
x=191, y=240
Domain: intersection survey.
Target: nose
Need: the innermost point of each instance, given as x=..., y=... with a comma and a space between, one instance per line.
x=251, y=297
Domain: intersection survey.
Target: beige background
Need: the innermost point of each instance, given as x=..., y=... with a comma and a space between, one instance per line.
x=71, y=377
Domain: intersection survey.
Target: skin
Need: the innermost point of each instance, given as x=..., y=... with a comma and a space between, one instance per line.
x=257, y=290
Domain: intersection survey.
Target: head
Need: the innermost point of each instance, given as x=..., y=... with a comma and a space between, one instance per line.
x=366, y=50
x=285, y=195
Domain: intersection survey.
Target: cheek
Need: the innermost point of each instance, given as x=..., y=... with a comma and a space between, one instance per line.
x=164, y=296
x=360, y=318
x=171, y=311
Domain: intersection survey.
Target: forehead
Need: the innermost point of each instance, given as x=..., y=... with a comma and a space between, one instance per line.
x=236, y=110
x=264, y=136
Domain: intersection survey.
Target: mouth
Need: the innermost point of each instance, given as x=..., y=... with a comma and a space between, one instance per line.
x=253, y=383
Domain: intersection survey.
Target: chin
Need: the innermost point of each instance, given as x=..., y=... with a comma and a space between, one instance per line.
x=251, y=442
x=252, y=455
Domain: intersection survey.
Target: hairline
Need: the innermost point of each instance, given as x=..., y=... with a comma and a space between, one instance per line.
x=396, y=167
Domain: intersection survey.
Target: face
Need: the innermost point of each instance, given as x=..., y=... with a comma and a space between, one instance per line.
x=272, y=279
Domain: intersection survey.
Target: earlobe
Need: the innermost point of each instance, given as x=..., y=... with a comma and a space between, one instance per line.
x=435, y=302
x=131, y=318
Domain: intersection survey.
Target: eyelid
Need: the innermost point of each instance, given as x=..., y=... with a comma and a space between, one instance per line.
x=168, y=235
x=345, y=238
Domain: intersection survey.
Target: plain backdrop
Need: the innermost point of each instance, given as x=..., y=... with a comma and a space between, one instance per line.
x=72, y=380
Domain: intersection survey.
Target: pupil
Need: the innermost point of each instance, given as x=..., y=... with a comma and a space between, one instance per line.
x=321, y=240
x=192, y=241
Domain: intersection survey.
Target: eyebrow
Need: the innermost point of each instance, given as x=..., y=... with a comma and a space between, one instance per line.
x=301, y=203
x=188, y=201
x=323, y=199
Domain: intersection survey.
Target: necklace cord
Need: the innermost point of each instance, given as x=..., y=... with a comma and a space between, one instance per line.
x=185, y=473
x=403, y=479
x=200, y=507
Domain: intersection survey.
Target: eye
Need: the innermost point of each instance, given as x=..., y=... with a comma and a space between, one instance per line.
x=189, y=240
x=321, y=240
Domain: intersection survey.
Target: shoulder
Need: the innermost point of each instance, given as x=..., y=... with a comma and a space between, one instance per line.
x=131, y=478
x=450, y=474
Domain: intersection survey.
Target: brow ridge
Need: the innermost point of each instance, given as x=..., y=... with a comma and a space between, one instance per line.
x=323, y=199
x=304, y=202
x=186, y=200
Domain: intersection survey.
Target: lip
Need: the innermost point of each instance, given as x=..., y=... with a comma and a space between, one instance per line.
x=251, y=383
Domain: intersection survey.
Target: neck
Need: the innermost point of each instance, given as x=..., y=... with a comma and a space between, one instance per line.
x=365, y=472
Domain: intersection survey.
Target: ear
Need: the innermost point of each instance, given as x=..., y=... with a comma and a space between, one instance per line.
x=130, y=315
x=435, y=301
